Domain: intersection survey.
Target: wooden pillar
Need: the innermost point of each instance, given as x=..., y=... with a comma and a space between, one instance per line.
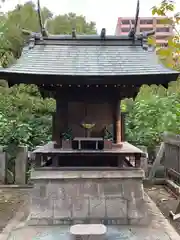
x=61, y=122
x=137, y=160
x=116, y=122
x=54, y=126
x=123, y=118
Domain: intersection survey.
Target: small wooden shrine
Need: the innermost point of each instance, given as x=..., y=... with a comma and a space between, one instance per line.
x=88, y=76
x=88, y=158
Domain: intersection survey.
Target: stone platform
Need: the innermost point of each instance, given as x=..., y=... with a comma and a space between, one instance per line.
x=158, y=229
x=77, y=197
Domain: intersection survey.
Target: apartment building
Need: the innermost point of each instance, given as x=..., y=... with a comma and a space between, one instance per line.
x=146, y=24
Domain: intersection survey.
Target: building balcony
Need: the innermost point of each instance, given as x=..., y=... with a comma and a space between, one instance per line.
x=146, y=26
x=162, y=25
x=161, y=41
x=124, y=25
x=168, y=34
x=123, y=33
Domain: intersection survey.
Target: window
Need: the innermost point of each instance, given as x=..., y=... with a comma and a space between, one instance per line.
x=125, y=22
x=146, y=21
x=164, y=45
x=161, y=21
x=145, y=29
x=125, y=30
x=165, y=29
x=162, y=37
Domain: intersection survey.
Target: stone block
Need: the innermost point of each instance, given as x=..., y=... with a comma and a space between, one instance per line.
x=97, y=207
x=132, y=189
x=116, y=208
x=53, y=189
x=41, y=208
x=70, y=189
x=115, y=221
x=145, y=221
x=88, y=232
x=45, y=221
x=90, y=188
x=39, y=221
x=40, y=190
x=62, y=208
x=80, y=207
x=78, y=221
x=33, y=221
x=120, y=221
x=137, y=209
x=95, y=221
x=112, y=188
x=34, y=192
x=62, y=222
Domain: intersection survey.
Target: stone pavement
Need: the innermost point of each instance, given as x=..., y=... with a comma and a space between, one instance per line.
x=113, y=233
x=159, y=229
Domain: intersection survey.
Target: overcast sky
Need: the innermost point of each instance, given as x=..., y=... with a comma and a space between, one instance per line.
x=104, y=12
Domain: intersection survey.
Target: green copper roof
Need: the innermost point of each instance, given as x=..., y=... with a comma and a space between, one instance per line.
x=87, y=56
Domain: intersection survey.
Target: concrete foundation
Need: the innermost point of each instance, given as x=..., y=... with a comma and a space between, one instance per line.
x=81, y=197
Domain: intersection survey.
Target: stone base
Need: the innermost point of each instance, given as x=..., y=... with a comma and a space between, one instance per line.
x=77, y=197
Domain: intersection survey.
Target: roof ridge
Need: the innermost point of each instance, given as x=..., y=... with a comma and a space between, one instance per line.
x=83, y=37
x=84, y=40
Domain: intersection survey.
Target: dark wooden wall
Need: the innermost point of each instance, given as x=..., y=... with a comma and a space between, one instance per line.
x=98, y=113
x=89, y=105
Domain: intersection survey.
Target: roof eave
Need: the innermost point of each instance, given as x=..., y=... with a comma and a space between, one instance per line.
x=40, y=79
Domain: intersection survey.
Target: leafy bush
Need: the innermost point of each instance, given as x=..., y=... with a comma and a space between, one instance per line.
x=25, y=117
x=154, y=111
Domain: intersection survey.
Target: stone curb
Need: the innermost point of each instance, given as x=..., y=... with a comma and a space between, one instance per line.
x=16, y=186
x=160, y=218
x=154, y=181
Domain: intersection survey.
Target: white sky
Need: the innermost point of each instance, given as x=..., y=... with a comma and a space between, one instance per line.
x=104, y=12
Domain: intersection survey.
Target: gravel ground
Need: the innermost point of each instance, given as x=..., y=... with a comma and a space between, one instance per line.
x=166, y=201
x=10, y=202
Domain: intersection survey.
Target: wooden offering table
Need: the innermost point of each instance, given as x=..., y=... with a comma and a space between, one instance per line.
x=126, y=155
